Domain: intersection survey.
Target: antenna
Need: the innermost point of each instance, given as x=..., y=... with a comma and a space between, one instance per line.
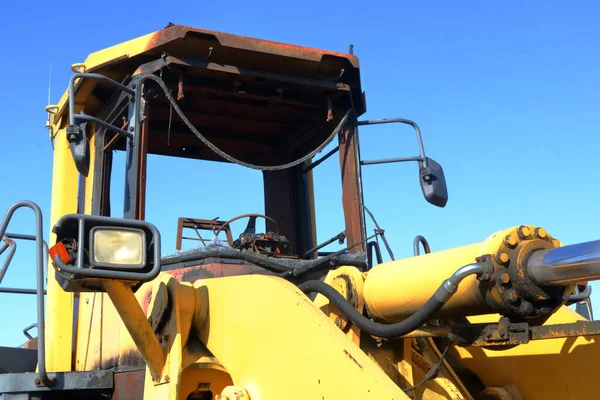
x=49, y=88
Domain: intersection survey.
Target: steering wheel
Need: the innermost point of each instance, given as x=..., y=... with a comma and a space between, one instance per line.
x=251, y=227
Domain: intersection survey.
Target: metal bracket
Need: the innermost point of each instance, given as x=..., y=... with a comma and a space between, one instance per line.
x=504, y=333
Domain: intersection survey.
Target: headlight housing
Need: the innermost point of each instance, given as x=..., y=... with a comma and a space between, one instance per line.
x=91, y=250
x=117, y=247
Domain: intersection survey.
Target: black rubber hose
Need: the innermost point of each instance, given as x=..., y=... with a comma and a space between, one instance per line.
x=281, y=265
x=404, y=327
x=365, y=324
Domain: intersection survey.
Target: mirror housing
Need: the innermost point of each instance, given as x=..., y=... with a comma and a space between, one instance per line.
x=433, y=183
x=80, y=147
x=126, y=250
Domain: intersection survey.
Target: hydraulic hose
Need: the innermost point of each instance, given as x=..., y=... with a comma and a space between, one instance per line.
x=434, y=304
x=284, y=266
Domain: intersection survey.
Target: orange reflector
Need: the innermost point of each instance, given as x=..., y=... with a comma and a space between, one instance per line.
x=60, y=250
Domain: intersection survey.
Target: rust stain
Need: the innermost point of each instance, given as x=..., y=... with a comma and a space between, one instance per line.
x=206, y=271
x=129, y=385
x=31, y=344
x=350, y=356
x=174, y=32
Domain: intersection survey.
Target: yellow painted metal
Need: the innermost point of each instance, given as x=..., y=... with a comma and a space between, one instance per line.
x=233, y=393
x=59, y=304
x=88, y=344
x=196, y=379
x=183, y=310
x=439, y=388
x=448, y=379
x=137, y=324
x=78, y=67
x=201, y=371
x=97, y=323
x=405, y=366
x=276, y=344
x=542, y=369
x=126, y=49
x=399, y=288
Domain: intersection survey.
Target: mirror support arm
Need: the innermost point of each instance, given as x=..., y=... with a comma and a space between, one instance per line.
x=393, y=160
x=422, y=157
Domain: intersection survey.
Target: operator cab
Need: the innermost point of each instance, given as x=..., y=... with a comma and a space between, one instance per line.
x=210, y=96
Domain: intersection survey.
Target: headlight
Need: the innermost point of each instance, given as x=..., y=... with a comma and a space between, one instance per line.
x=117, y=247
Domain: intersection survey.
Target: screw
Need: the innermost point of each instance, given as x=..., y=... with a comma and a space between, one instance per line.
x=37, y=382
x=87, y=301
x=540, y=233
x=338, y=322
x=131, y=128
x=523, y=232
x=502, y=258
x=510, y=241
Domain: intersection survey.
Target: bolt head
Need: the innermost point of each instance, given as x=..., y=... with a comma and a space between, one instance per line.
x=523, y=232
x=510, y=241
x=556, y=242
x=502, y=258
x=541, y=233
x=504, y=277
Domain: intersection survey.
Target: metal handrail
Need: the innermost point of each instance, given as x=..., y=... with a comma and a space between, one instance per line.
x=43, y=378
x=9, y=244
x=74, y=117
x=9, y=257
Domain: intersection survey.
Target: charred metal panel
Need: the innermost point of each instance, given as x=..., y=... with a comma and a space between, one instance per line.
x=287, y=202
x=352, y=189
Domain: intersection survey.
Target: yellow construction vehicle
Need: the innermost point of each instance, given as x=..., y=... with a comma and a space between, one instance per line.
x=270, y=315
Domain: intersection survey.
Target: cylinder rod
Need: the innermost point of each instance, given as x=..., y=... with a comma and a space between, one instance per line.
x=567, y=264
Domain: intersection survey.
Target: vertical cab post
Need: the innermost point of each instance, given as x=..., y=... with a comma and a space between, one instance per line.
x=352, y=187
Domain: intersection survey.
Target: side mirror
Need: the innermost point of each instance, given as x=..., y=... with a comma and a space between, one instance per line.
x=92, y=250
x=80, y=147
x=431, y=174
x=433, y=182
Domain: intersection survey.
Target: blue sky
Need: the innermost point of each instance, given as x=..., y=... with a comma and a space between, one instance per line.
x=506, y=94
